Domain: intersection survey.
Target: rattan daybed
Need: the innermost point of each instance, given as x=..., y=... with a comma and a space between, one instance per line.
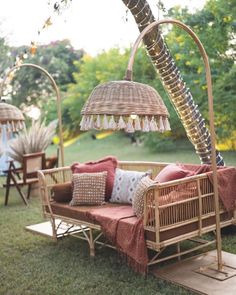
x=166, y=222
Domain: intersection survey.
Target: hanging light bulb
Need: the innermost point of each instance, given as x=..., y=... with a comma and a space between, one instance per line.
x=133, y=116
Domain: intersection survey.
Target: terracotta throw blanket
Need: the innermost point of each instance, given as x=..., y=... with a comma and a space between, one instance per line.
x=226, y=186
x=125, y=231
x=226, y=182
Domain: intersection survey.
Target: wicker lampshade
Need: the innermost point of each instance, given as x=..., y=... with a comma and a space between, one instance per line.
x=125, y=105
x=11, y=116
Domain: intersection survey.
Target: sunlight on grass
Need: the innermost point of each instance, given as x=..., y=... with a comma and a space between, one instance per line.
x=86, y=149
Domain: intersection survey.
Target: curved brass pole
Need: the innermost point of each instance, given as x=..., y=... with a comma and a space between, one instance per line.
x=210, y=107
x=54, y=85
x=179, y=94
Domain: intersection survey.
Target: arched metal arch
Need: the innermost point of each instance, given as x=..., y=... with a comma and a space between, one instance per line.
x=58, y=96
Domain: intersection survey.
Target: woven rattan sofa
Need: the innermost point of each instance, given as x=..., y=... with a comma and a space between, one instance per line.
x=165, y=223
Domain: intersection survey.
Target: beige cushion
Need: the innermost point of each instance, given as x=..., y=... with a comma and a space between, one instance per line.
x=138, y=202
x=88, y=188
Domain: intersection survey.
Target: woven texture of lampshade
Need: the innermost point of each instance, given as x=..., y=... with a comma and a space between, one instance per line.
x=11, y=116
x=125, y=105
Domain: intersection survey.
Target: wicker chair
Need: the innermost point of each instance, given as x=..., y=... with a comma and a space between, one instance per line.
x=26, y=175
x=52, y=161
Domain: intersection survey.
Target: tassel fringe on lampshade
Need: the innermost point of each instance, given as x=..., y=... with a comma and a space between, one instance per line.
x=11, y=117
x=125, y=105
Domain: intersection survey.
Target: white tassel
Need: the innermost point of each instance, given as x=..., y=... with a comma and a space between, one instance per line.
x=86, y=125
x=17, y=126
x=105, y=122
x=146, y=124
x=8, y=129
x=137, y=125
x=161, y=125
x=121, y=123
x=130, y=127
x=82, y=123
x=12, y=126
x=153, y=124
x=21, y=125
x=91, y=123
x=112, y=123
x=166, y=124
x=97, y=124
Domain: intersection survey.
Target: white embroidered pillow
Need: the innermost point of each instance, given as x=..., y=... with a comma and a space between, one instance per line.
x=125, y=184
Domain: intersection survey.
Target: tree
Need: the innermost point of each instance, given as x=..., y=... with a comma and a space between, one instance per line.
x=31, y=86
x=5, y=56
x=215, y=25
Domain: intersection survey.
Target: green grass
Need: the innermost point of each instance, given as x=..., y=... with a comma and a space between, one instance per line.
x=86, y=149
x=34, y=265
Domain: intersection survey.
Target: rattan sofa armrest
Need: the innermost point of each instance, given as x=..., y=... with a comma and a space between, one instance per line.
x=189, y=185
x=182, y=180
x=47, y=179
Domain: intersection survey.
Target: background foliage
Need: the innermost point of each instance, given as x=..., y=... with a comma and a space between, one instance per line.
x=77, y=73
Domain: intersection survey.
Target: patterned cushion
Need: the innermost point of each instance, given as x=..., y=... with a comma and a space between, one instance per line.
x=88, y=188
x=138, y=202
x=108, y=164
x=125, y=185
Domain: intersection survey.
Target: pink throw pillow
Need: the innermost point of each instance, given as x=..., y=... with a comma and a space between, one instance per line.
x=172, y=172
x=108, y=164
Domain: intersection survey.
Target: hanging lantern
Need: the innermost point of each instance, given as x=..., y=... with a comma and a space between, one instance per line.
x=126, y=105
x=11, y=117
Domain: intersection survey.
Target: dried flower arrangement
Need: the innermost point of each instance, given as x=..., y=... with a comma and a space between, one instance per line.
x=36, y=139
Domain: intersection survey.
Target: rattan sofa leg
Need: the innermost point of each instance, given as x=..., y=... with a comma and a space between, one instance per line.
x=91, y=243
x=54, y=231
x=178, y=250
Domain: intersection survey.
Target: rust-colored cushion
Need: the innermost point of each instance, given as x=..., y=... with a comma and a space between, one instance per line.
x=88, y=188
x=188, y=192
x=62, y=192
x=108, y=164
x=172, y=172
x=80, y=213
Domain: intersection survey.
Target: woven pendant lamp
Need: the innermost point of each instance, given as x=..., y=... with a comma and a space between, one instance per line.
x=125, y=105
x=11, y=117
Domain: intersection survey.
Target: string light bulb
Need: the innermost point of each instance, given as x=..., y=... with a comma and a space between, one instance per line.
x=133, y=116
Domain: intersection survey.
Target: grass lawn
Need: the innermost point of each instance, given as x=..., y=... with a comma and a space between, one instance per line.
x=87, y=149
x=31, y=264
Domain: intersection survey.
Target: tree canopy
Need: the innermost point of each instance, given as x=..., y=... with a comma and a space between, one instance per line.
x=215, y=25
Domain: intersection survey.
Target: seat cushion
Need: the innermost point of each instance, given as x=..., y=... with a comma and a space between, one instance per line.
x=77, y=212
